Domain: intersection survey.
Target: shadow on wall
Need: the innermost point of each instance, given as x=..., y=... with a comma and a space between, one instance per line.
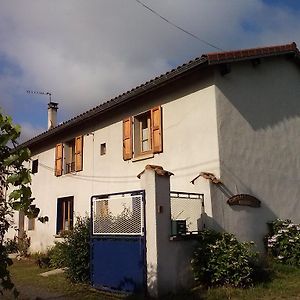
x=172, y=278
x=258, y=112
x=207, y=222
x=265, y=95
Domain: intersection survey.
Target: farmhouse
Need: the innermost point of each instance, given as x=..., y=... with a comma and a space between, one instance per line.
x=225, y=124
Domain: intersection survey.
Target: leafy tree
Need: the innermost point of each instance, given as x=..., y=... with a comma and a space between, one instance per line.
x=15, y=192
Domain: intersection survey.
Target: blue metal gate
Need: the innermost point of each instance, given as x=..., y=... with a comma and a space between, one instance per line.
x=118, y=242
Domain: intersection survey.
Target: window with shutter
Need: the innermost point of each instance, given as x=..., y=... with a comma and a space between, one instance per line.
x=69, y=156
x=145, y=136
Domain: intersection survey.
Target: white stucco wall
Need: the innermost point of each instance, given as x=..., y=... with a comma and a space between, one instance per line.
x=190, y=146
x=168, y=261
x=258, y=126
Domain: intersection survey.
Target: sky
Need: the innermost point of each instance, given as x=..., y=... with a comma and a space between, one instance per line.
x=86, y=52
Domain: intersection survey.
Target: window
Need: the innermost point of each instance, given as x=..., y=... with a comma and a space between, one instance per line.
x=64, y=219
x=142, y=134
x=34, y=166
x=69, y=156
x=31, y=223
x=69, y=148
x=103, y=149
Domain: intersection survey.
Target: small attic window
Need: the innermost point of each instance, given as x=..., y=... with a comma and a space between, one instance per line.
x=103, y=149
x=35, y=166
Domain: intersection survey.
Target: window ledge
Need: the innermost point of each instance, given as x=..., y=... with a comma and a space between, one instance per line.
x=57, y=236
x=184, y=237
x=62, y=235
x=143, y=156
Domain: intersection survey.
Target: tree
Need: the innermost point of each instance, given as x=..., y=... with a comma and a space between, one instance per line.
x=15, y=191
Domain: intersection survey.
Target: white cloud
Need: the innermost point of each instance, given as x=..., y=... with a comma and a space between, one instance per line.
x=87, y=51
x=28, y=131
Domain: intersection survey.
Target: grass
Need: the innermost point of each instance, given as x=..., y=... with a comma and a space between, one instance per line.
x=26, y=277
x=285, y=284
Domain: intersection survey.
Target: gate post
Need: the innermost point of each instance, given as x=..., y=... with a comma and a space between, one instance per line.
x=156, y=183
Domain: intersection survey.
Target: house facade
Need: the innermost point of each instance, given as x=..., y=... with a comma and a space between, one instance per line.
x=234, y=116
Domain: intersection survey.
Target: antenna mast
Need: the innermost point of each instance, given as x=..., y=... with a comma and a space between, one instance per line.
x=40, y=93
x=52, y=108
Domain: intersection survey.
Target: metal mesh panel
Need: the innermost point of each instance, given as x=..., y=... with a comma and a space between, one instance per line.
x=186, y=209
x=118, y=216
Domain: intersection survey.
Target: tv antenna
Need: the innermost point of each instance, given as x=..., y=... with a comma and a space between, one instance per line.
x=40, y=93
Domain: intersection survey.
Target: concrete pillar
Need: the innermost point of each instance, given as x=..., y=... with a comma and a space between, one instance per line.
x=168, y=261
x=156, y=183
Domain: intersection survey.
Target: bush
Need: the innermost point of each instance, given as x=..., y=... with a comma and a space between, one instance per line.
x=58, y=255
x=11, y=245
x=23, y=244
x=220, y=259
x=18, y=245
x=74, y=252
x=42, y=259
x=55, y=257
x=283, y=242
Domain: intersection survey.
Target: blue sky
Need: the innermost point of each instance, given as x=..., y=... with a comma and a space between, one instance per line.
x=293, y=5
x=85, y=52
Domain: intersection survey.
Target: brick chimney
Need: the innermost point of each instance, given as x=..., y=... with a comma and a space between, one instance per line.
x=52, y=114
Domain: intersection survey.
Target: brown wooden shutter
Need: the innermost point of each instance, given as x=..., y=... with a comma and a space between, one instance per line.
x=58, y=159
x=156, y=130
x=78, y=153
x=127, y=138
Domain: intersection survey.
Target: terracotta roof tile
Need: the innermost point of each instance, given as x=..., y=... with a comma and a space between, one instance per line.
x=219, y=57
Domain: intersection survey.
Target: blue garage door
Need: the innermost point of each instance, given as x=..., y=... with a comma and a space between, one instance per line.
x=118, y=242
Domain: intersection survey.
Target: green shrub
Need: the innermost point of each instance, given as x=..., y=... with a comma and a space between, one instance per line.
x=59, y=255
x=42, y=259
x=54, y=257
x=23, y=244
x=11, y=245
x=74, y=252
x=220, y=259
x=283, y=242
x=18, y=245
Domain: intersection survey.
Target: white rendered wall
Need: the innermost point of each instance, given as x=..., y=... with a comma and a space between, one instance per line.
x=190, y=146
x=168, y=261
x=258, y=125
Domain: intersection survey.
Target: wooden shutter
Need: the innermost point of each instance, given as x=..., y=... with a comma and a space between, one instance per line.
x=58, y=159
x=78, y=153
x=156, y=130
x=127, y=138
